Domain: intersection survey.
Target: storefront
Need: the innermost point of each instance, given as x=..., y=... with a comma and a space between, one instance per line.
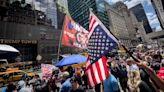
x=27, y=48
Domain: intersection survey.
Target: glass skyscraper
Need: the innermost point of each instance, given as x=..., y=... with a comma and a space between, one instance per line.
x=79, y=11
x=139, y=12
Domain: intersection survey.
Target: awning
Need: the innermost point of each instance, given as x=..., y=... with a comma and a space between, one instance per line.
x=8, y=48
x=8, y=52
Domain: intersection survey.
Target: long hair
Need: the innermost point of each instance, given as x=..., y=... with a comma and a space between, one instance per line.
x=134, y=80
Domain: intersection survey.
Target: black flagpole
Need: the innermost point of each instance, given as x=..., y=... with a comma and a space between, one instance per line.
x=127, y=51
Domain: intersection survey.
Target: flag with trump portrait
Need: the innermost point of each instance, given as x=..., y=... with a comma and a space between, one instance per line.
x=101, y=42
x=74, y=35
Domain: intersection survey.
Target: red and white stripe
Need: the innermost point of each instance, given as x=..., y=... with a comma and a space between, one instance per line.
x=93, y=22
x=96, y=72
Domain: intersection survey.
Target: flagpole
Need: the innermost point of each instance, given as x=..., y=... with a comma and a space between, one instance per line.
x=127, y=51
x=66, y=12
x=59, y=45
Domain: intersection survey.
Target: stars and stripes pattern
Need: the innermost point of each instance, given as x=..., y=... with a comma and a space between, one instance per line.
x=99, y=44
x=101, y=41
x=96, y=72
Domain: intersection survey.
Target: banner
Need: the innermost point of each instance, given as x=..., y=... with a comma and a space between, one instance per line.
x=74, y=35
x=47, y=70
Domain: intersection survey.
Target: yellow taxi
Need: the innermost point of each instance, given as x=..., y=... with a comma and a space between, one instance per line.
x=13, y=75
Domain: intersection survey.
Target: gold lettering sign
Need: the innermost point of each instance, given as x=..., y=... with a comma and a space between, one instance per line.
x=8, y=41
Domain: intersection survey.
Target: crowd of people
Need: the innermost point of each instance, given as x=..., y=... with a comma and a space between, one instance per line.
x=125, y=75
x=146, y=73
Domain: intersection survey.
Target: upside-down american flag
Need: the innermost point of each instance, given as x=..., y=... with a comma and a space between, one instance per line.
x=101, y=41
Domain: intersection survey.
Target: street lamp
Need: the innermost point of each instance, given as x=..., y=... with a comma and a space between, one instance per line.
x=38, y=58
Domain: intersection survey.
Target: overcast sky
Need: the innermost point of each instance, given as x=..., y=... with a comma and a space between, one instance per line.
x=153, y=20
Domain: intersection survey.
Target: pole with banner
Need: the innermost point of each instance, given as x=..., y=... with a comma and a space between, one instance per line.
x=73, y=35
x=60, y=40
x=66, y=12
x=59, y=45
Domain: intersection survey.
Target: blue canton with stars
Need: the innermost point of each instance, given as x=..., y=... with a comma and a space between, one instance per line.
x=99, y=44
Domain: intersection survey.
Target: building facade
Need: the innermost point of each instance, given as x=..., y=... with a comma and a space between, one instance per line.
x=51, y=12
x=118, y=25
x=139, y=12
x=123, y=10
x=60, y=18
x=3, y=8
x=31, y=32
x=64, y=3
x=79, y=11
x=140, y=32
x=157, y=4
x=125, y=26
x=25, y=15
x=135, y=29
x=30, y=40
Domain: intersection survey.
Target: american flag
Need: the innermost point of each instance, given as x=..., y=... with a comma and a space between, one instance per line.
x=101, y=41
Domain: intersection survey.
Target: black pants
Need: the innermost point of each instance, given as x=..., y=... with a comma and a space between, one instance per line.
x=98, y=88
